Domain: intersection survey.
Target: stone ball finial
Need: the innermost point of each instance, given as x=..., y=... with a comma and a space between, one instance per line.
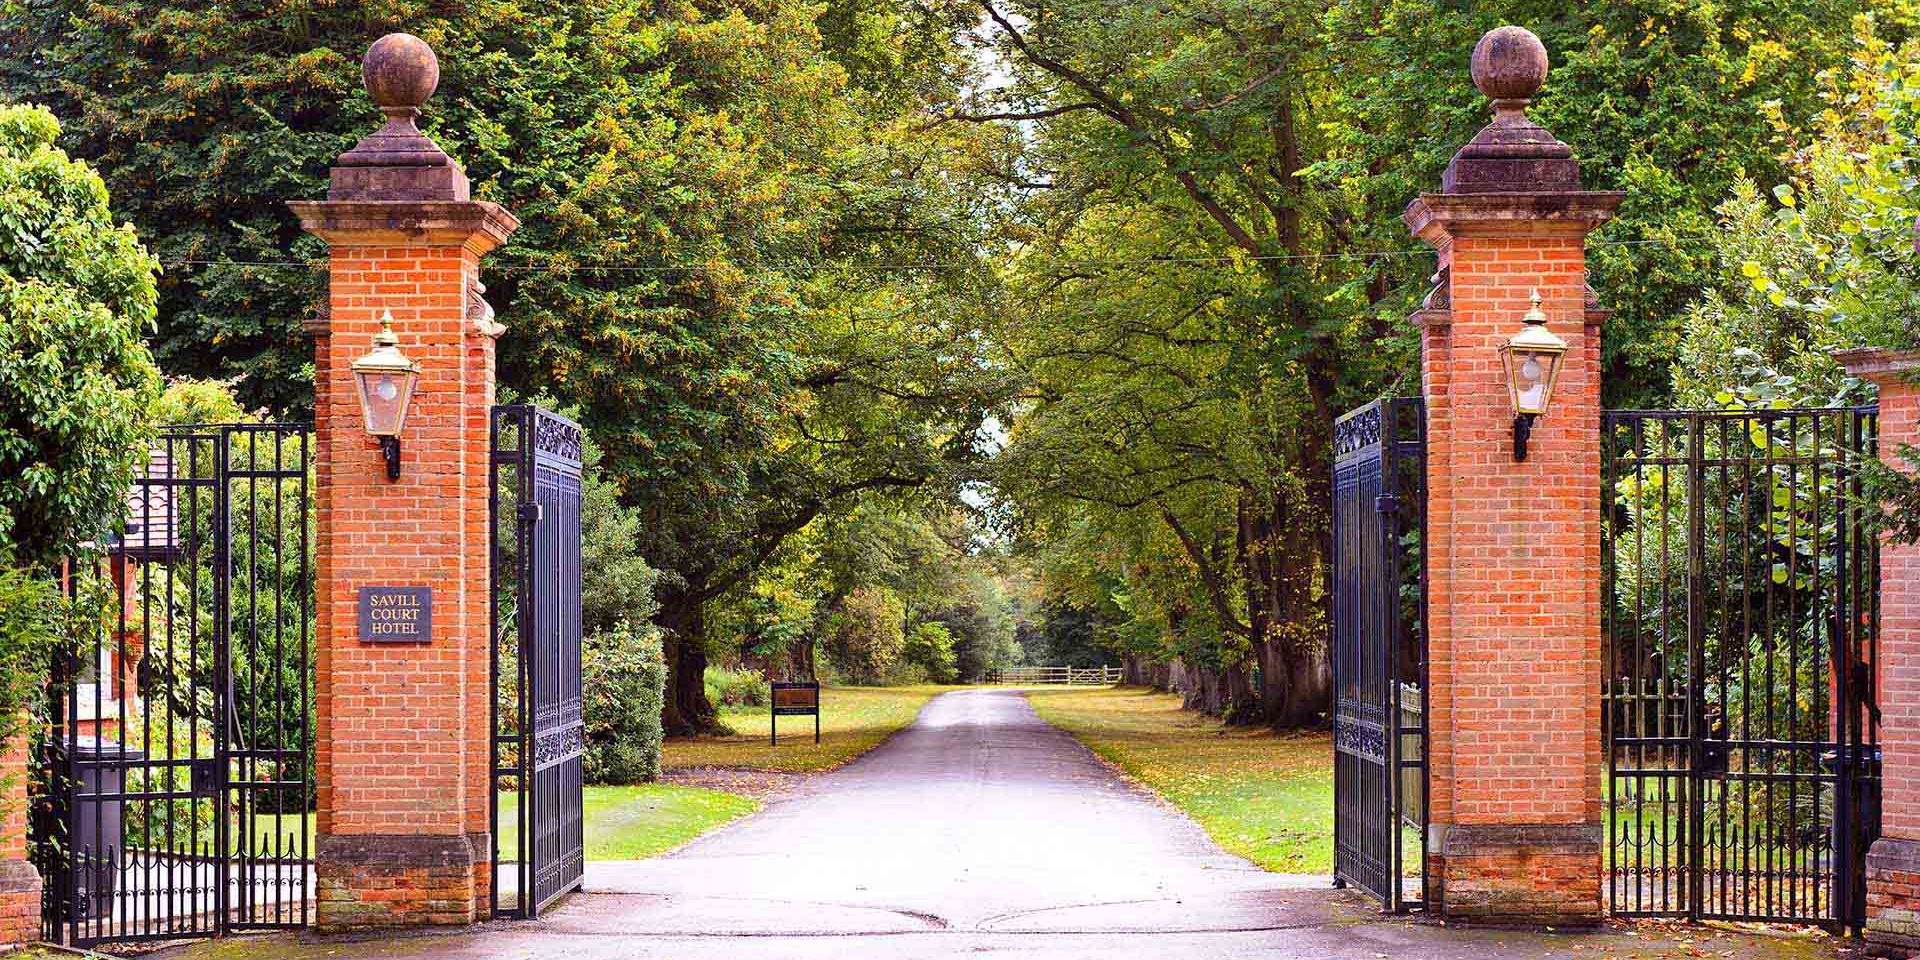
x=400, y=72
x=1509, y=63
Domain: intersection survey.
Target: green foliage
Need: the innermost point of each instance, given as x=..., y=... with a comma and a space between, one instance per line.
x=698, y=183
x=76, y=296
x=929, y=647
x=623, y=683
x=982, y=617
x=1825, y=262
x=863, y=635
x=736, y=688
x=1072, y=635
x=1898, y=492
x=35, y=620
x=192, y=401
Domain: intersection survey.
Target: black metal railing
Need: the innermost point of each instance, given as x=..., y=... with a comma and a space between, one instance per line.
x=173, y=795
x=1741, y=622
x=538, y=740
x=1379, y=652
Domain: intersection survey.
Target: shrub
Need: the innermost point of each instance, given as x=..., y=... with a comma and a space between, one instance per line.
x=864, y=635
x=76, y=295
x=929, y=646
x=736, y=688
x=624, y=680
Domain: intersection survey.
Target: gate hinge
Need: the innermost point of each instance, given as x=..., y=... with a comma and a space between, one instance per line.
x=530, y=513
x=1386, y=504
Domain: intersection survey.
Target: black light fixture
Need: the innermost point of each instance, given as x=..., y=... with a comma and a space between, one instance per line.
x=1532, y=360
x=385, y=379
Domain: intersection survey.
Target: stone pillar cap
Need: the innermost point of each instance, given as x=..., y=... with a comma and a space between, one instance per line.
x=1512, y=154
x=397, y=161
x=1875, y=363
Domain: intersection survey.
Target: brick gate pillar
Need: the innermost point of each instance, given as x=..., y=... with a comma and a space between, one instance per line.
x=401, y=738
x=1893, y=863
x=1513, y=554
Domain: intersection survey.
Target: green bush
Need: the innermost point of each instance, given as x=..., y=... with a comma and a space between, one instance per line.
x=929, y=646
x=76, y=296
x=736, y=688
x=624, y=679
x=864, y=635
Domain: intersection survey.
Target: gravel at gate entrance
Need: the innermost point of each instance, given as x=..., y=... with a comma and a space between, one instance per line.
x=980, y=829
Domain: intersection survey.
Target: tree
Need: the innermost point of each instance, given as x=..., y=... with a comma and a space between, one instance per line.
x=1213, y=263
x=699, y=185
x=929, y=648
x=864, y=636
x=76, y=295
x=1825, y=262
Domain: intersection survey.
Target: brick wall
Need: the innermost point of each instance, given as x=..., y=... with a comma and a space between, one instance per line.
x=1900, y=633
x=1513, y=561
x=1893, y=864
x=19, y=881
x=401, y=738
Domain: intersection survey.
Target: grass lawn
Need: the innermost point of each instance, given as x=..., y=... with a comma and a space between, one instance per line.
x=1264, y=796
x=633, y=823
x=853, y=720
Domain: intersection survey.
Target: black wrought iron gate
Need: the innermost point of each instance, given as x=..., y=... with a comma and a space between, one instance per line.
x=1379, y=651
x=172, y=797
x=1742, y=616
x=538, y=729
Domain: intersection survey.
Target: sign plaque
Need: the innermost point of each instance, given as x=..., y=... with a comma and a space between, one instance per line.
x=794, y=700
x=396, y=614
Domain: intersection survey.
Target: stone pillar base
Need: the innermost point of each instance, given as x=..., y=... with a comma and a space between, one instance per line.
x=368, y=881
x=1519, y=874
x=19, y=903
x=1893, y=898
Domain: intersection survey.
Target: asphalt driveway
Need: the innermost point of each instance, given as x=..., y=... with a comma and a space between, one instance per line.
x=982, y=830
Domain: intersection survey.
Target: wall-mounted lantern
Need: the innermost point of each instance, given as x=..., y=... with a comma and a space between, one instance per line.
x=1532, y=358
x=385, y=378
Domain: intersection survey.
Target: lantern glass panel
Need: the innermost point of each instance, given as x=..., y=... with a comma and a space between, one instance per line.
x=1532, y=376
x=383, y=399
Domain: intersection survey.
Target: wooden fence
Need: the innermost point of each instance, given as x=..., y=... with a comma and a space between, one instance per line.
x=1070, y=676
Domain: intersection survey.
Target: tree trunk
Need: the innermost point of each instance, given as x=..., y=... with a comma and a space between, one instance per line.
x=685, y=711
x=800, y=661
x=1240, y=703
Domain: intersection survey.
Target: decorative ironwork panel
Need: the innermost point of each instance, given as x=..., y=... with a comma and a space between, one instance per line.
x=173, y=796
x=1379, y=651
x=1741, y=619
x=538, y=728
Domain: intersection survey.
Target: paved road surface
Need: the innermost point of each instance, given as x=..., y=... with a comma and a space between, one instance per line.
x=980, y=816
x=978, y=830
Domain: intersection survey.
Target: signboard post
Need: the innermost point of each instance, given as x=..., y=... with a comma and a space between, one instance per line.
x=794, y=700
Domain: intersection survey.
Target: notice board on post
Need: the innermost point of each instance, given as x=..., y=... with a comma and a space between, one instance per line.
x=794, y=700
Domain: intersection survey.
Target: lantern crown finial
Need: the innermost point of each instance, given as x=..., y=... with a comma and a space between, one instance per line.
x=387, y=338
x=1535, y=316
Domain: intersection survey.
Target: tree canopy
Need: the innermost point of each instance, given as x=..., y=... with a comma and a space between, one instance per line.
x=906, y=330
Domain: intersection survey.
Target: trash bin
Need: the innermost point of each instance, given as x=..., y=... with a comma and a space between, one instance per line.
x=96, y=768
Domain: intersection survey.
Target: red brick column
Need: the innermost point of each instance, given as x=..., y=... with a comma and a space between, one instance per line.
x=19, y=881
x=1513, y=549
x=1893, y=864
x=401, y=745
